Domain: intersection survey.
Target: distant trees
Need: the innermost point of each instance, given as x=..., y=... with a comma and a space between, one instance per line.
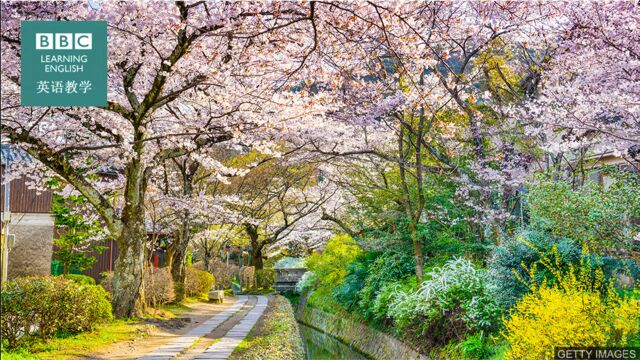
x=280, y=202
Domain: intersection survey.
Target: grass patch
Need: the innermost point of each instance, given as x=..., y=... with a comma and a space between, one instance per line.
x=167, y=311
x=81, y=345
x=275, y=336
x=170, y=311
x=18, y=355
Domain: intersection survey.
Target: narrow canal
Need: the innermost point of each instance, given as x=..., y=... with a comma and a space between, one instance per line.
x=321, y=346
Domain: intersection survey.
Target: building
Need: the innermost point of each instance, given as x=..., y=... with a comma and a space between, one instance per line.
x=27, y=226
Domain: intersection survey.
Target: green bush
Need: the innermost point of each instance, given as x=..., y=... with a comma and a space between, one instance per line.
x=265, y=278
x=82, y=279
x=348, y=293
x=330, y=266
x=597, y=215
x=510, y=261
x=198, y=282
x=78, y=235
x=388, y=268
x=526, y=248
x=92, y=306
x=476, y=346
x=367, y=276
x=329, y=269
x=386, y=296
x=43, y=306
x=305, y=283
x=451, y=302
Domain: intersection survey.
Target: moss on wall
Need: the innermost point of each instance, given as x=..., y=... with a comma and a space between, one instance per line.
x=366, y=340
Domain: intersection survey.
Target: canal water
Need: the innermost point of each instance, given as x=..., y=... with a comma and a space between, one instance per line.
x=322, y=346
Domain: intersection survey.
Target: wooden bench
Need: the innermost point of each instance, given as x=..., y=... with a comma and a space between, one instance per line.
x=216, y=296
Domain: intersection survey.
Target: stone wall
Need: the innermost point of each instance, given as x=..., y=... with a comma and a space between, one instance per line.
x=31, y=254
x=371, y=342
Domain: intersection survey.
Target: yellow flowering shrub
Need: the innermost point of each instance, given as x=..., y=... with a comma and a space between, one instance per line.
x=581, y=309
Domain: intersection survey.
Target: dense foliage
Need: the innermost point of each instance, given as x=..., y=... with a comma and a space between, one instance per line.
x=329, y=268
x=602, y=216
x=44, y=306
x=198, y=282
x=265, y=278
x=458, y=309
x=451, y=303
x=368, y=275
x=511, y=261
x=580, y=308
x=78, y=235
x=82, y=279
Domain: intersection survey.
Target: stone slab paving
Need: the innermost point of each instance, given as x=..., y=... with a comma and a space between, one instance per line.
x=223, y=348
x=169, y=350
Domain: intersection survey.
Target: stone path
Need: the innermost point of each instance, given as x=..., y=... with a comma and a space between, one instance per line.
x=183, y=346
x=218, y=333
x=223, y=348
x=168, y=351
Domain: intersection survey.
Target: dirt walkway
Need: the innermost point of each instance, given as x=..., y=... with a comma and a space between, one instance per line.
x=165, y=331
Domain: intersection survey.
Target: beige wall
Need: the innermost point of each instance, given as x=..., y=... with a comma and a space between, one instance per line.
x=32, y=251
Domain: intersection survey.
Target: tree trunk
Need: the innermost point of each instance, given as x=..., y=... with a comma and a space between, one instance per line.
x=256, y=246
x=128, y=289
x=417, y=250
x=128, y=293
x=178, y=266
x=206, y=259
x=413, y=227
x=256, y=260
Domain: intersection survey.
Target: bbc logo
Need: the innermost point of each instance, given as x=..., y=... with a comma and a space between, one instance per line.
x=64, y=41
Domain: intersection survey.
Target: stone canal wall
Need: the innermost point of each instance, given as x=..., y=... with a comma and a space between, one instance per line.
x=371, y=342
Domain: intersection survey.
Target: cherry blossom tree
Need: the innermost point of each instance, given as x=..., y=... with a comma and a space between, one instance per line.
x=589, y=99
x=415, y=84
x=189, y=202
x=163, y=57
x=281, y=202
